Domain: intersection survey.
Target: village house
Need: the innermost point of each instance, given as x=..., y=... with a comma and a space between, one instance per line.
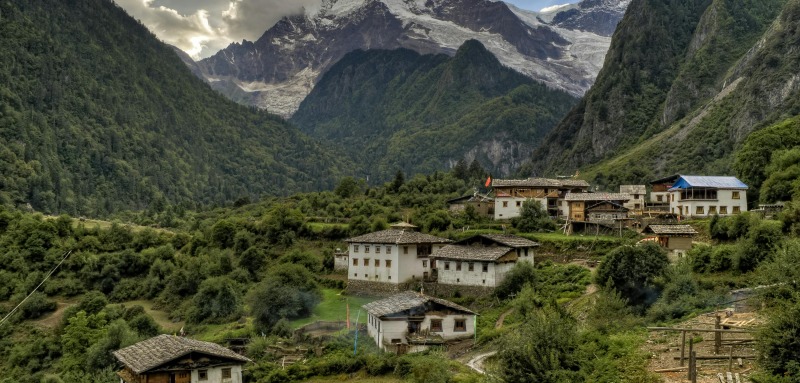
x=173, y=359
x=412, y=322
x=481, y=204
x=482, y=260
x=607, y=207
x=704, y=196
x=659, y=190
x=511, y=194
x=341, y=260
x=676, y=239
x=637, y=193
x=391, y=256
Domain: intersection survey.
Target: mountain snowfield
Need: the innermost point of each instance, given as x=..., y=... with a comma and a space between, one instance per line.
x=277, y=71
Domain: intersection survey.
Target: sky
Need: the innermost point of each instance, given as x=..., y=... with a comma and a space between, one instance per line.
x=203, y=27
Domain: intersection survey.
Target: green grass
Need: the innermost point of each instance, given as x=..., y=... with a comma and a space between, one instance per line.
x=560, y=237
x=358, y=379
x=334, y=308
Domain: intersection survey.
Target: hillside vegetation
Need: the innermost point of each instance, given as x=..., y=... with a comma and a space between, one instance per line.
x=97, y=115
x=390, y=110
x=683, y=86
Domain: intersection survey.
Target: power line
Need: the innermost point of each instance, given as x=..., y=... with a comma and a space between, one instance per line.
x=37, y=288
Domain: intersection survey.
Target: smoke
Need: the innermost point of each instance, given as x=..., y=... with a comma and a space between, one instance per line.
x=201, y=28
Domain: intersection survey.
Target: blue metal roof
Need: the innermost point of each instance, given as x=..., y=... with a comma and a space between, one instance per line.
x=685, y=182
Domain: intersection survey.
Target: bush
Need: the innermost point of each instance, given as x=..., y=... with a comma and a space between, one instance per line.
x=533, y=217
x=632, y=270
x=217, y=301
x=36, y=306
x=521, y=274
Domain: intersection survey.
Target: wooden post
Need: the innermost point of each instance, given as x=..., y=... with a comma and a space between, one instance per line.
x=717, y=336
x=730, y=360
x=693, y=369
x=683, y=345
x=691, y=356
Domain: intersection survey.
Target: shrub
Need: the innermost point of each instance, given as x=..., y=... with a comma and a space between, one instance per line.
x=36, y=306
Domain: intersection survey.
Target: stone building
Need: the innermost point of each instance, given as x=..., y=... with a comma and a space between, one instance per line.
x=676, y=239
x=482, y=260
x=411, y=322
x=173, y=359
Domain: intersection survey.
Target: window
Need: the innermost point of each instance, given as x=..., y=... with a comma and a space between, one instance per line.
x=376, y=276
x=424, y=263
x=735, y=195
x=505, y=203
x=202, y=375
x=723, y=210
x=484, y=281
x=485, y=267
x=377, y=249
x=366, y=248
x=712, y=210
x=458, y=266
x=447, y=265
x=460, y=325
x=355, y=261
x=673, y=197
x=699, y=210
x=355, y=275
x=637, y=206
x=526, y=251
x=471, y=266
x=366, y=261
x=405, y=249
x=660, y=198
x=396, y=341
x=377, y=262
x=436, y=325
x=458, y=280
x=388, y=249
x=355, y=248
x=226, y=373
x=519, y=203
x=736, y=210
x=388, y=263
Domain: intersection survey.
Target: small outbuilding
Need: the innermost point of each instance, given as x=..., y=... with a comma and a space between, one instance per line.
x=412, y=322
x=174, y=359
x=677, y=239
x=481, y=260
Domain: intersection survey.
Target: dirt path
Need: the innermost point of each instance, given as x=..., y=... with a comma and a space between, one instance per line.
x=53, y=319
x=502, y=318
x=476, y=363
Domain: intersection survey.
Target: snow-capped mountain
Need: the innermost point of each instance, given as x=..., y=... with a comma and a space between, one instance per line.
x=278, y=70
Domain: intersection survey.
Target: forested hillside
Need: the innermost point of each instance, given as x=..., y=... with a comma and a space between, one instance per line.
x=97, y=115
x=391, y=110
x=683, y=85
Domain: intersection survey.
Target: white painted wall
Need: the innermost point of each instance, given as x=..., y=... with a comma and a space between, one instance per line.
x=477, y=277
x=215, y=375
x=385, y=330
x=688, y=208
x=405, y=264
x=509, y=207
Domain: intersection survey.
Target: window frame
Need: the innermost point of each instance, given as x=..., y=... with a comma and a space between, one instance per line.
x=462, y=328
x=436, y=325
x=227, y=371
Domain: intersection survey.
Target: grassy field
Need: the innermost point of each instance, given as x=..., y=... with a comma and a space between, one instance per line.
x=334, y=308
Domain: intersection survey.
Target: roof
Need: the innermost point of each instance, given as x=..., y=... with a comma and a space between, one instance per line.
x=665, y=180
x=598, y=197
x=408, y=300
x=633, y=189
x=671, y=229
x=725, y=182
x=508, y=240
x=471, y=198
x=398, y=237
x=540, y=182
x=472, y=252
x=154, y=352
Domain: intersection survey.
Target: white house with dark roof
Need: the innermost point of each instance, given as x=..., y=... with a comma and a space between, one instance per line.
x=392, y=256
x=704, y=196
x=510, y=194
x=411, y=322
x=173, y=359
x=482, y=260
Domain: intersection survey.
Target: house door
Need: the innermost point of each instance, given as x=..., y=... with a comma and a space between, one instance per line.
x=180, y=377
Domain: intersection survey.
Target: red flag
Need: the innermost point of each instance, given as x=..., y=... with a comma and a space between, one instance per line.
x=488, y=181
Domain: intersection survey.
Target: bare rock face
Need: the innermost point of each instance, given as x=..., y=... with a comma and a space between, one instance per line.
x=278, y=70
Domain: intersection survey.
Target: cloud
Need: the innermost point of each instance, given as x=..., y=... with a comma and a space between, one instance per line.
x=201, y=28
